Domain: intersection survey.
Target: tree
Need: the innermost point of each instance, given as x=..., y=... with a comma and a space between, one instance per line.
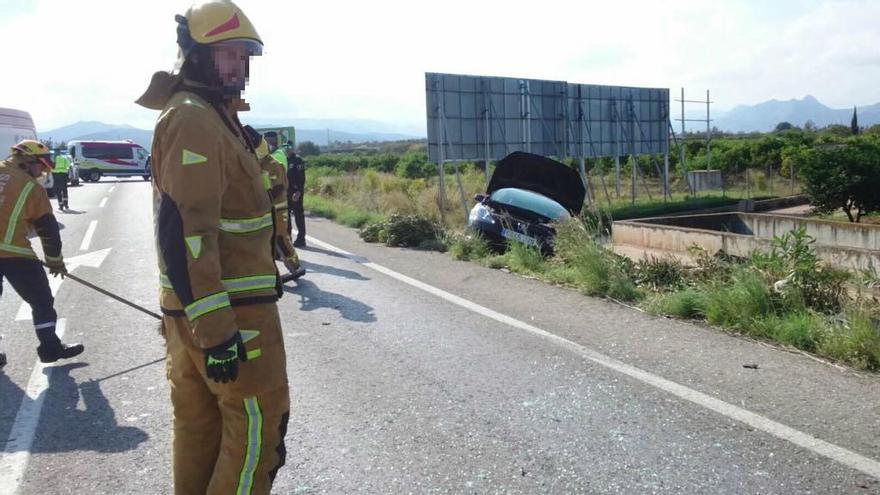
x=784, y=126
x=308, y=148
x=810, y=126
x=854, y=123
x=844, y=176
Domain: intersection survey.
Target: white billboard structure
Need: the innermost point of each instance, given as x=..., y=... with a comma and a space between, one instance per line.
x=479, y=118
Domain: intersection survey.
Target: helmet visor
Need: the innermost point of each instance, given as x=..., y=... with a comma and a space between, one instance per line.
x=248, y=47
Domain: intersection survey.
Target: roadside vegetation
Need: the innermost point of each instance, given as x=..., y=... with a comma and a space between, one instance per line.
x=785, y=296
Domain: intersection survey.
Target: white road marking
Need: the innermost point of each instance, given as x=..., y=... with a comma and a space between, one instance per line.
x=103, y=202
x=111, y=189
x=15, y=454
x=843, y=456
x=87, y=240
x=93, y=260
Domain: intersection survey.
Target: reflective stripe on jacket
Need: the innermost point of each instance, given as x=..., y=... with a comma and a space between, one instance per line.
x=25, y=207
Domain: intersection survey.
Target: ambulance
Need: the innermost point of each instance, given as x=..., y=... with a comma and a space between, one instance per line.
x=96, y=159
x=16, y=126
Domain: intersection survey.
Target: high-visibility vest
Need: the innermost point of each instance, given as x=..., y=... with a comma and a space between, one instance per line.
x=280, y=156
x=62, y=164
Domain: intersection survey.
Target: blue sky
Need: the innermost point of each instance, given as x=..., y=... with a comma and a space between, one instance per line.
x=356, y=59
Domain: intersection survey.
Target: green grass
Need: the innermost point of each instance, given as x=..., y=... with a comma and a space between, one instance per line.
x=469, y=247
x=687, y=304
x=525, y=259
x=340, y=212
x=740, y=304
x=856, y=342
x=800, y=329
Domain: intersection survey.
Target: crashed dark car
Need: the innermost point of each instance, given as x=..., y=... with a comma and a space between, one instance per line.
x=526, y=195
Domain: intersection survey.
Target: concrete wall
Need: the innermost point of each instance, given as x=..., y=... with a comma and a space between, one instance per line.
x=825, y=232
x=842, y=245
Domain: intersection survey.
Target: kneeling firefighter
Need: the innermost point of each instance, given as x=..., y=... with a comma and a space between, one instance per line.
x=214, y=226
x=24, y=206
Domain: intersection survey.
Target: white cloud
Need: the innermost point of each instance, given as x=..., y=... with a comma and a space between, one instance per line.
x=355, y=59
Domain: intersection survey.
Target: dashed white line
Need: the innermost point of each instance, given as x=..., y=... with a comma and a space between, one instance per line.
x=103, y=203
x=16, y=452
x=87, y=240
x=111, y=189
x=843, y=456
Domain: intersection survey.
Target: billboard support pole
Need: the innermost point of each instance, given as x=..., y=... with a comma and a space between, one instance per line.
x=488, y=106
x=488, y=144
x=441, y=187
x=615, y=124
x=581, y=162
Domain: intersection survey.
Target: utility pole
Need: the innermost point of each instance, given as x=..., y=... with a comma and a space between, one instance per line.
x=707, y=120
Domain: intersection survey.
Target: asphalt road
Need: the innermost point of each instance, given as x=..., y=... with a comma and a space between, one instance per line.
x=414, y=373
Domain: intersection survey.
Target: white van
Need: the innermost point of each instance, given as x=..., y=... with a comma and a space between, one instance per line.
x=96, y=159
x=16, y=126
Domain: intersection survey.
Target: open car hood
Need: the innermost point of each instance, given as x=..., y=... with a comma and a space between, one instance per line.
x=541, y=175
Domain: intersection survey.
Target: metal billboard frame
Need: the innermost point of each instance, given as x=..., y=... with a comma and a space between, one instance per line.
x=551, y=118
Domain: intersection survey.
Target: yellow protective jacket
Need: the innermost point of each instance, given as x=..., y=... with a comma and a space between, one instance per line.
x=25, y=207
x=214, y=222
x=62, y=165
x=277, y=186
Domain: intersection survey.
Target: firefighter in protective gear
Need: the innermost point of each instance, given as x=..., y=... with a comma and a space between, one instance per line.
x=225, y=351
x=59, y=178
x=277, y=186
x=296, y=180
x=24, y=206
x=273, y=142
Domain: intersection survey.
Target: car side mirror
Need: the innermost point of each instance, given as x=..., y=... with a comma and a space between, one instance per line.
x=479, y=198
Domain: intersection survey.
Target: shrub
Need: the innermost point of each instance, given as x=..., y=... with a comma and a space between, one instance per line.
x=806, y=282
x=373, y=232
x=660, y=273
x=844, y=176
x=415, y=165
x=409, y=230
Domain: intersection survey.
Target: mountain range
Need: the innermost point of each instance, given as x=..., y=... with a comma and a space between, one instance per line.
x=315, y=130
x=764, y=117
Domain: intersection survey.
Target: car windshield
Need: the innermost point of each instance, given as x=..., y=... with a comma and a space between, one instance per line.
x=530, y=201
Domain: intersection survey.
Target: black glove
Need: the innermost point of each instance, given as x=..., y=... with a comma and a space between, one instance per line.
x=56, y=267
x=221, y=362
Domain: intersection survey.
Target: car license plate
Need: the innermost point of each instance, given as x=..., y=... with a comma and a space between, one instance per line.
x=521, y=238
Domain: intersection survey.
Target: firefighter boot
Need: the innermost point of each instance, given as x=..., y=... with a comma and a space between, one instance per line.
x=294, y=268
x=53, y=350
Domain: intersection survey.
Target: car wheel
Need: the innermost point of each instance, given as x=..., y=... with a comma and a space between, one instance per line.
x=95, y=175
x=146, y=177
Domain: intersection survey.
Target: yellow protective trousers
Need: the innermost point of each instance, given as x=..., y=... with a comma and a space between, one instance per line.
x=229, y=438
